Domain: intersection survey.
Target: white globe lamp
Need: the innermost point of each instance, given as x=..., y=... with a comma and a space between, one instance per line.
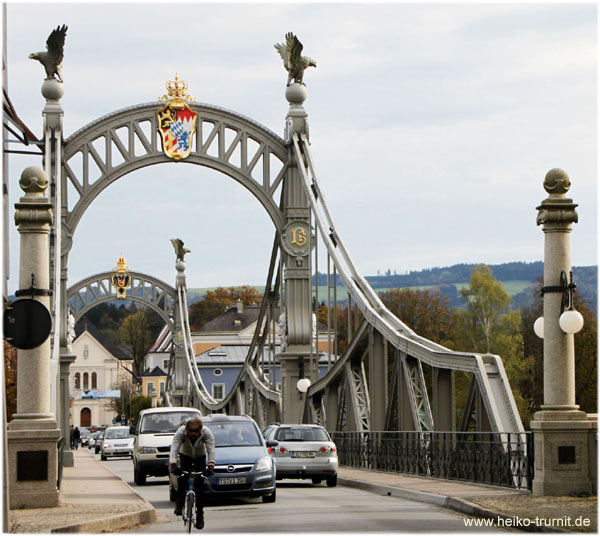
x=571, y=321
x=538, y=327
x=303, y=385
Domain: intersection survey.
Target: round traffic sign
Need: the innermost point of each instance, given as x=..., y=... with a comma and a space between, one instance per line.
x=27, y=323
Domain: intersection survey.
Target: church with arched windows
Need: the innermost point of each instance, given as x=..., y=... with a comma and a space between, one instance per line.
x=96, y=376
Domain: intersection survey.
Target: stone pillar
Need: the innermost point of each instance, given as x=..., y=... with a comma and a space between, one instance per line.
x=296, y=241
x=560, y=429
x=33, y=433
x=65, y=405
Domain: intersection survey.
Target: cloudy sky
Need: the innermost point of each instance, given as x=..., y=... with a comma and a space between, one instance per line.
x=432, y=126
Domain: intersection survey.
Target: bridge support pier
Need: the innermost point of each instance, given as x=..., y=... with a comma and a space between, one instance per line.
x=562, y=458
x=33, y=433
x=293, y=402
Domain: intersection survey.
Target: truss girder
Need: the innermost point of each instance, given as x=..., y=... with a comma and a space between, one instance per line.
x=123, y=141
x=419, y=399
x=488, y=369
x=145, y=289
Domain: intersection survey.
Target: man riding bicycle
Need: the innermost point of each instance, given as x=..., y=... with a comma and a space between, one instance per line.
x=192, y=442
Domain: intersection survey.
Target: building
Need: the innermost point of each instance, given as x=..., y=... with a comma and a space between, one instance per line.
x=154, y=383
x=221, y=346
x=96, y=376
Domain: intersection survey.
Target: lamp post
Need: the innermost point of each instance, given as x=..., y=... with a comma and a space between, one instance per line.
x=560, y=430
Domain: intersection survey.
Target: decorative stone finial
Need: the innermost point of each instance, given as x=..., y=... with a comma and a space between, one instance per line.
x=296, y=93
x=557, y=181
x=33, y=180
x=52, y=89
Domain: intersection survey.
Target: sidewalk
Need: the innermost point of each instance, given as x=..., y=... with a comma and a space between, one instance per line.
x=92, y=499
x=504, y=506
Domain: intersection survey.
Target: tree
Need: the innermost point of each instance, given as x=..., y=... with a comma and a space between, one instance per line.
x=424, y=311
x=486, y=325
x=138, y=403
x=135, y=331
x=10, y=380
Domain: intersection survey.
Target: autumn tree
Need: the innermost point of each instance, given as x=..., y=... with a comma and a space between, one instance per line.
x=486, y=325
x=10, y=379
x=217, y=301
x=135, y=331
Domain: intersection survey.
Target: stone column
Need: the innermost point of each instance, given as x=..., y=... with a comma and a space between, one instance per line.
x=560, y=429
x=33, y=433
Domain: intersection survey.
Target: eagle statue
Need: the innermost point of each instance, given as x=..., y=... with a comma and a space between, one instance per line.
x=293, y=61
x=52, y=59
x=180, y=251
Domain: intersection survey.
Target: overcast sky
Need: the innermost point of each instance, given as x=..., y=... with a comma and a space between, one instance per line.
x=432, y=127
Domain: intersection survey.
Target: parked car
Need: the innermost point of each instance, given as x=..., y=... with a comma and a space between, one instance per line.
x=304, y=451
x=98, y=442
x=243, y=466
x=117, y=442
x=152, y=440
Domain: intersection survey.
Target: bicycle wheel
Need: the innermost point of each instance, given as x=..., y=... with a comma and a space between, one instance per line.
x=190, y=510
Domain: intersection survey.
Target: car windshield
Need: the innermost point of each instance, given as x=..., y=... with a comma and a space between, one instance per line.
x=117, y=433
x=164, y=422
x=234, y=434
x=301, y=434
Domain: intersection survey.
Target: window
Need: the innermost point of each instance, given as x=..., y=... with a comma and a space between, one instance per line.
x=217, y=372
x=77, y=380
x=94, y=380
x=166, y=365
x=162, y=388
x=218, y=391
x=86, y=352
x=150, y=388
x=86, y=383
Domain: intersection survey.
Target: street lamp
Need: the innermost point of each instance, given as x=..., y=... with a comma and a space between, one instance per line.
x=303, y=383
x=570, y=320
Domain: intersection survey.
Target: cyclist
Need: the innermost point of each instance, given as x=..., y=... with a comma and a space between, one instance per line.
x=192, y=442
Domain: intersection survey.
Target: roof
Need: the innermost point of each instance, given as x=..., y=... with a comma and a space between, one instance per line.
x=235, y=354
x=156, y=371
x=119, y=352
x=163, y=342
x=233, y=320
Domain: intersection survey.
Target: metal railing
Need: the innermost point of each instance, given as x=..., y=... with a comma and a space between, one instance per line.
x=501, y=459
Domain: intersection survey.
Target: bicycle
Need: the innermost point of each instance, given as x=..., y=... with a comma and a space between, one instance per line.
x=189, y=507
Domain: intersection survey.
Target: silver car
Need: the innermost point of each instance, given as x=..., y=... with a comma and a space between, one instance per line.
x=304, y=451
x=116, y=442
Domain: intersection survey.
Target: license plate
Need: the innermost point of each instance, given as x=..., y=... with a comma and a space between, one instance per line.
x=303, y=454
x=232, y=480
x=120, y=444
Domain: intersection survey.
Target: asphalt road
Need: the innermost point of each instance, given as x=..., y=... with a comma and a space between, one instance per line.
x=300, y=507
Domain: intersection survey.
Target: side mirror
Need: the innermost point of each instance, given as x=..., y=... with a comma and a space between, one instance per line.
x=272, y=443
x=132, y=430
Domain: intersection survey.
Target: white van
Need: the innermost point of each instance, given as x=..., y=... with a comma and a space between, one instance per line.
x=153, y=436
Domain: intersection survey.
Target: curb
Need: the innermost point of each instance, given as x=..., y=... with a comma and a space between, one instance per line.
x=146, y=515
x=121, y=521
x=463, y=506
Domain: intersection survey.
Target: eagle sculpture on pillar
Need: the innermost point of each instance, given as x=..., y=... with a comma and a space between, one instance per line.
x=180, y=251
x=52, y=59
x=293, y=61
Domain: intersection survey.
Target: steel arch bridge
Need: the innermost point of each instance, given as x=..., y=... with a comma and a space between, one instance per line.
x=375, y=382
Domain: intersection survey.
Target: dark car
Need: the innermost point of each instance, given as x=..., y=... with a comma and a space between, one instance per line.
x=243, y=465
x=85, y=436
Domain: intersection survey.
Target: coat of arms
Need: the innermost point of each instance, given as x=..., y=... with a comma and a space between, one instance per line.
x=176, y=120
x=121, y=279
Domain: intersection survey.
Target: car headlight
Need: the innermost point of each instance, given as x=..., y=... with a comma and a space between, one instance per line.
x=147, y=450
x=264, y=464
x=106, y=445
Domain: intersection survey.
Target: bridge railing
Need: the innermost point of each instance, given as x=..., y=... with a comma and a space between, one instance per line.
x=501, y=459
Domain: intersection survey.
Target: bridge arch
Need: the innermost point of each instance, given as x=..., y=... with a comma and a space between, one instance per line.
x=128, y=139
x=145, y=289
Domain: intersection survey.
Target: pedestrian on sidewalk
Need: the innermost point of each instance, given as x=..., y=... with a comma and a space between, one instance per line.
x=192, y=442
x=76, y=437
